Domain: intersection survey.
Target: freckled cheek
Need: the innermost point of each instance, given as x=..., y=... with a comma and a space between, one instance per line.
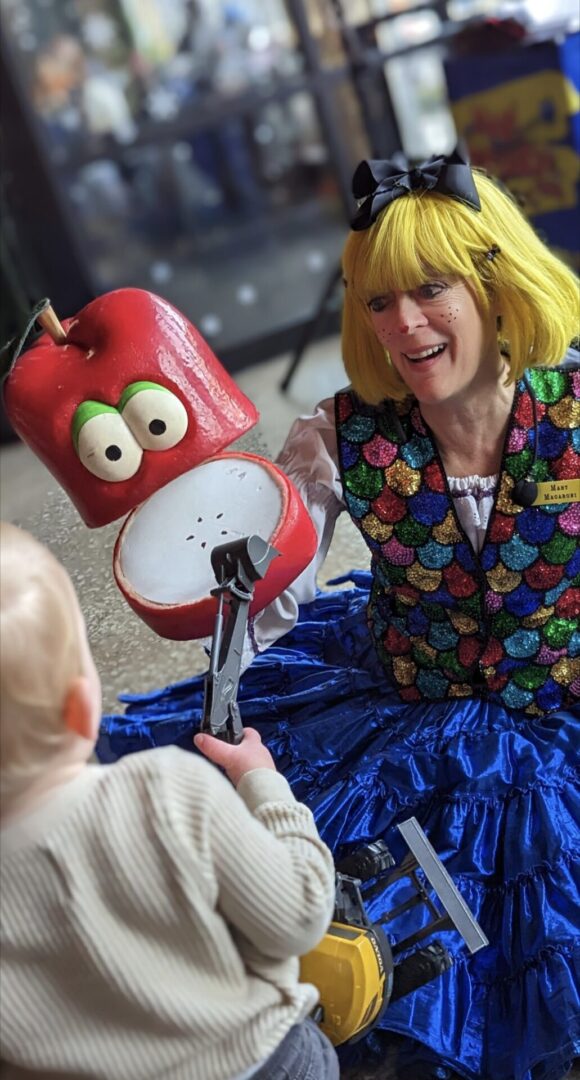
x=383, y=333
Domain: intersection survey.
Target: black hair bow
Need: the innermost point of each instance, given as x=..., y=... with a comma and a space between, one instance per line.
x=376, y=184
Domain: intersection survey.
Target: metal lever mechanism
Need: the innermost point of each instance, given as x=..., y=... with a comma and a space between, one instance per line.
x=237, y=566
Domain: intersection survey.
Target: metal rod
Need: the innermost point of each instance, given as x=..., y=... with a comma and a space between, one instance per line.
x=441, y=882
x=443, y=923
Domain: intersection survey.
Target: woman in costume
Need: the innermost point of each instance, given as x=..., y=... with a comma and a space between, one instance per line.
x=445, y=683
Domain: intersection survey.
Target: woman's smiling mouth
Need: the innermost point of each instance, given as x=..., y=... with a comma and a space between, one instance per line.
x=425, y=354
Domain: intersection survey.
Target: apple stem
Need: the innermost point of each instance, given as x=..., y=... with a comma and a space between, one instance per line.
x=50, y=322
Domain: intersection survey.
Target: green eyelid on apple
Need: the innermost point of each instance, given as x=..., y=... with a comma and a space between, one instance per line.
x=85, y=411
x=154, y=414
x=135, y=388
x=104, y=443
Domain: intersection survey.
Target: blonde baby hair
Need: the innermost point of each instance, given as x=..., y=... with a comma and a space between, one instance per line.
x=40, y=654
x=426, y=234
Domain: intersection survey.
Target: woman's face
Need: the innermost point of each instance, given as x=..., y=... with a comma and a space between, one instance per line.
x=439, y=343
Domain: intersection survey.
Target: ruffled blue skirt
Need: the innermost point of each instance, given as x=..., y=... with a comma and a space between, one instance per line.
x=496, y=793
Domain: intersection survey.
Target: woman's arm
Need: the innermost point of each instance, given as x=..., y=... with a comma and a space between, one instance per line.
x=309, y=458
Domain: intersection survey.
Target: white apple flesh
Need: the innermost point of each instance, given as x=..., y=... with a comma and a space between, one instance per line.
x=162, y=557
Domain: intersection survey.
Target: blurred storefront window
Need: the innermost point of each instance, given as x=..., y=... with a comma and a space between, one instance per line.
x=417, y=83
x=227, y=223
x=204, y=148
x=188, y=164
x=111, y=67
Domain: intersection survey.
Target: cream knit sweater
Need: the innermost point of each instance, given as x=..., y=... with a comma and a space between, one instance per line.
x=151, y=919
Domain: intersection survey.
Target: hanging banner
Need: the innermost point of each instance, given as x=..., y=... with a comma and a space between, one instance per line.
x=519, y=113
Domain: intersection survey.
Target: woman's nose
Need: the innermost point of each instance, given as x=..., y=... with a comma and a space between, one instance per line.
x=409, y=314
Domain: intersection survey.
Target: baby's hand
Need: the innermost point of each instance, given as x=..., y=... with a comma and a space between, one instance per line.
x=236, y=760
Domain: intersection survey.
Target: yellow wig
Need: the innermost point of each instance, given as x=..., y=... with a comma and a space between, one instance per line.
x=424, y=235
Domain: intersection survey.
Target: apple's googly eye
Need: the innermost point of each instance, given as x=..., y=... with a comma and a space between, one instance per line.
x=104, y=443
x=157, y=418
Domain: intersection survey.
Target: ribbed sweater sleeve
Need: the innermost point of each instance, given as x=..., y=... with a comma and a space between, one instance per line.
x=270, y=873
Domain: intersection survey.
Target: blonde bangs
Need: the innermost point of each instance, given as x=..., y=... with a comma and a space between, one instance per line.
x=420, y=236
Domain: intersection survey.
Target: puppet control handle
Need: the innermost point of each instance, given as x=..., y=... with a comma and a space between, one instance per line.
x=237, y=566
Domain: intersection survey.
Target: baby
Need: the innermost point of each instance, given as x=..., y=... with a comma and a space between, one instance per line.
x=152, y=915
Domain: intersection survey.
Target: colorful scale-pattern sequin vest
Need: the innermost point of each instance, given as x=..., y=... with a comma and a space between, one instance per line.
x=447, y=622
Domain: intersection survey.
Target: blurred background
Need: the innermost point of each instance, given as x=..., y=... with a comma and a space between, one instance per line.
x=204, y=149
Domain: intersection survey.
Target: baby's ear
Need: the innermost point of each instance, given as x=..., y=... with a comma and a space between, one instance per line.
x=78, y=710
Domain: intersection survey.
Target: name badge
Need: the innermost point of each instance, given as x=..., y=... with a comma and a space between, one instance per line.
x=557, y=491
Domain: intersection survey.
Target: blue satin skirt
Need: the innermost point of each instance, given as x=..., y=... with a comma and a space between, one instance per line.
x=495, y=791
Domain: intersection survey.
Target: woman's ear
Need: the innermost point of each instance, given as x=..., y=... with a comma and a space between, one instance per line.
x=79, y=714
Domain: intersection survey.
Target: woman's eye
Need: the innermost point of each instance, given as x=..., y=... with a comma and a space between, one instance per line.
x=378, y=303
x=157, y=418
x=105, y=445
x=431, y=289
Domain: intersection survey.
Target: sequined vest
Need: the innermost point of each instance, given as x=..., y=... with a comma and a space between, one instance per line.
x=447, y=622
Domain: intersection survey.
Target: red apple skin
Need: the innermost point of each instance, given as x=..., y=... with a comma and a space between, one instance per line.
x=295, y=538
x=122, y=337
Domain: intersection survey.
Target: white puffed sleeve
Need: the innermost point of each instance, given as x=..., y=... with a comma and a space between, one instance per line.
x=309, y=458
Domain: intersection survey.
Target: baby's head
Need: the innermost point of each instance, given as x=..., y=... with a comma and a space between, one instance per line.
x=50, y=696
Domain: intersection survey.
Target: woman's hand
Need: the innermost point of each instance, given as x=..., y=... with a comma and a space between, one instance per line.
x=236, y=760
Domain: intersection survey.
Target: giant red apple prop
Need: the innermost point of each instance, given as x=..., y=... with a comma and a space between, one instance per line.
x=131, y=399
x=124, y=412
